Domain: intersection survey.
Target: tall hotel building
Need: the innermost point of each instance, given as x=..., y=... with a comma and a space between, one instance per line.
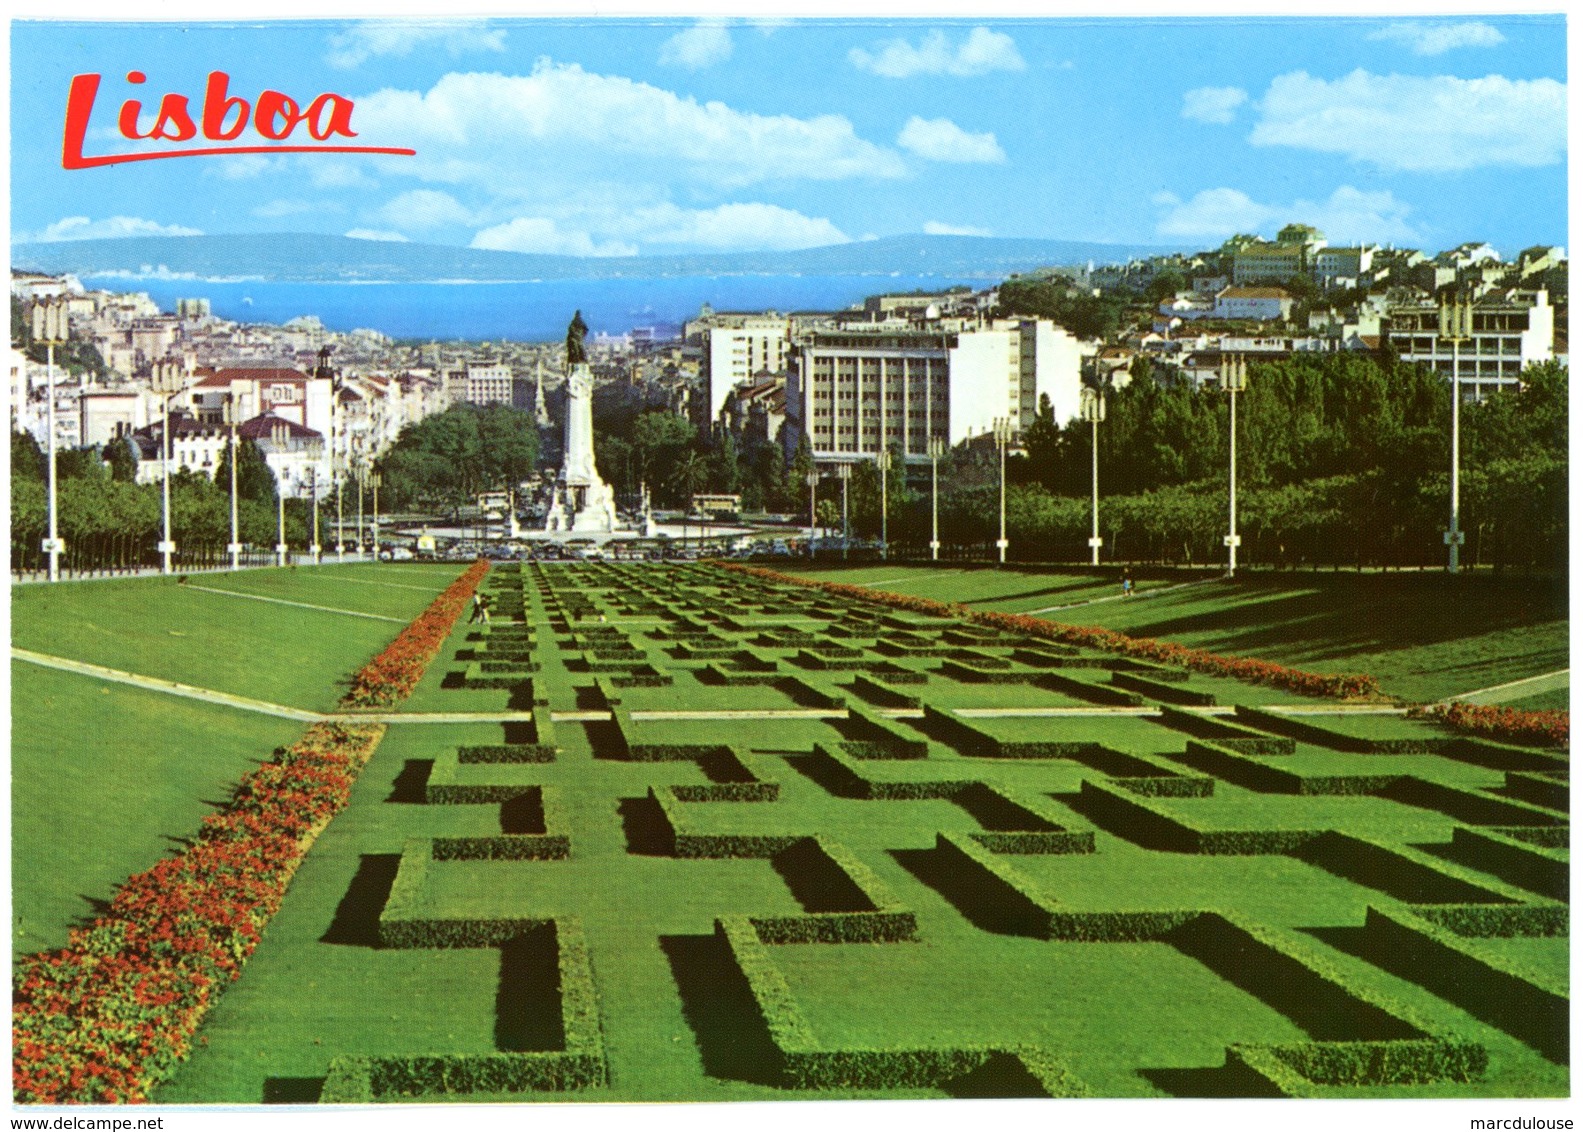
x=858, y=389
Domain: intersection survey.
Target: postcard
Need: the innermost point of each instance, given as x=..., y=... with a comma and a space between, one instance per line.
x=575, y=563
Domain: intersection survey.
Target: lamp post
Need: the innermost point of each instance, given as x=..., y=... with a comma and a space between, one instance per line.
x=813, y=487
x=845, y=472
x=1233, y=379
x=278, y=434
x=362, y=475
x=167, y=381
x=234, y=547
x=1093, y=406
x=50, y=327
x=373, y=481
x=1456, y=327
x=1003, y=431
x=936, y=450
x=315, y=453
x=882, y=462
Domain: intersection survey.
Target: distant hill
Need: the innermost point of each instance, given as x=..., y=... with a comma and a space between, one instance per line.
x=306, y=258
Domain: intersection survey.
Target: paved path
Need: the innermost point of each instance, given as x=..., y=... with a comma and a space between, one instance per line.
x=300, y=604
x=1516, y=689
x=168, y=687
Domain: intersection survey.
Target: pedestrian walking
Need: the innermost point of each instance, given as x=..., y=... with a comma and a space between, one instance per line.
x=483, y=608
x=1126, y=583
x=478, y=610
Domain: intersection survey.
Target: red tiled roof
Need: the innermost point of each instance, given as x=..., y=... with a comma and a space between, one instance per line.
x=273, y=376
x=262, y=427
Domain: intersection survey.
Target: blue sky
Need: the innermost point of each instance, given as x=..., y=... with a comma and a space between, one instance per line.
x=621, y=137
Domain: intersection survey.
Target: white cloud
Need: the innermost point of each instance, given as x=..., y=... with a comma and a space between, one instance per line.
x=543, y=236
x=375, y=234
x=363, y=41
x=1213, y=103
x=748, y=226
x=1437, y=39
x=111, y=228
x=936, y=228
x=1348, y=216
x=1418, y=124
x=423, y=209
x=980, y=53
x=940, y=139
x=563, y=123
x=703, y=45
x=245, y=167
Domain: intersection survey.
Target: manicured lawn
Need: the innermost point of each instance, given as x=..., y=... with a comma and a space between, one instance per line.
x=105, y=780
x=1127, y=1018
x=1424, y=636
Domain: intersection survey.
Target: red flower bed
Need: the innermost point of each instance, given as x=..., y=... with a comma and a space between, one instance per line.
x=1504, y=724
x=108, y=1016
x=393, y=674
x=1142, y=648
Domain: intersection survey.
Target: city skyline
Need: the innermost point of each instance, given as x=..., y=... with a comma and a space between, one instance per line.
x=623, y=137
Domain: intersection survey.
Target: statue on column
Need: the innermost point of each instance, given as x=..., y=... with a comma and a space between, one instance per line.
x=576, y=352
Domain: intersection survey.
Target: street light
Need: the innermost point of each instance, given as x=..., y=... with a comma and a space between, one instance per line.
x=234, y=547
x=374, y=482
x=315, y=453
x=1456, y=327
x=167, y=381
x=845, y=472
x=1003, y=433
x=50, y=326
x=813, y=485
x=1093, y=405
x=882, y=462
x=936, y=450
x=362, y=477
x=277, y=435
x=1233, y=379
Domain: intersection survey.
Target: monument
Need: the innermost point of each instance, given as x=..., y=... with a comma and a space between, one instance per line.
x=583, y=502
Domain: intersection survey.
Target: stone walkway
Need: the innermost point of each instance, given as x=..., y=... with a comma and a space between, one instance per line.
x=1516, y=689
x=299, y=604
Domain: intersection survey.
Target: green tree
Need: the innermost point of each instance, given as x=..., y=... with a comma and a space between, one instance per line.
x=121, y=456
x=27, y=458
x=255, y=480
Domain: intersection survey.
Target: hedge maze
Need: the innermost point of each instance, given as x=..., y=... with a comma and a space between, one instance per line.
x=755, y=843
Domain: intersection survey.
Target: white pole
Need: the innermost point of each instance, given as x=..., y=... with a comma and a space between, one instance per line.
x=1454, y=535
x=164, y=430
x=934, y=504
x=54, y=534
x=1231, y=542
x=236, y=537
x=1093, y=540
x=1002, y=434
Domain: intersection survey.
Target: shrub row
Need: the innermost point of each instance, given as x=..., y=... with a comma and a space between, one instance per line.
x=1502, y=757
x=861, y=909
x=1168, y=786
x=713, y=846
x=1412, y=878
x=402, y=926
x=809, y=695
x=1540, y=789
x=804, y=1065
x=1498, y=921
x=110, y=1015
x=580, y=1064
x=1092, y=693
x=1294, y=1070
x=986, y=674
x=1015, y=904
x=1486, y=986
x=552, y=841
x=1162, y=690
x=842, y=776
x=878, y=738
x=1138, y=821
x=1217, y=759
x=506, y=753
x=878, y=689
x=1541, y=870
x=473, y=676
x=1508, y=725
x=443, y=789
x=394, y=673
x=1226, y=733
x=1199, y=660
x=1310, y=732
x=1471, y=806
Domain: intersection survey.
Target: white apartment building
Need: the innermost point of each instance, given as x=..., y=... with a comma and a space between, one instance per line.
x=857, y=390
x=1511, y=330
x=488, y=384
x=1256, y=304
x=736, y=347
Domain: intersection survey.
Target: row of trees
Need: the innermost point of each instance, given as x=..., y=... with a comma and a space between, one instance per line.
x=109, y=521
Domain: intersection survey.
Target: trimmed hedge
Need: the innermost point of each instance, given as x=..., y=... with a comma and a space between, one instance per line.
x=580, y=1064
x=713, y=846
x=1225, y=733
x=1158, y=690
x=1310, y=732
x=878, y=739
x=1414, y=879
x=878, y=690
x=1083, y=690
x=802, y=1064
x=1138, y=821
x=1218, y=760
x=842, y=776
x=1498, y=921
x=876, y=916
x=1485, y=986
x=1541, y=870
x=1471, y=806
x=552, y=843
x=506, y=753
x=1541, y=789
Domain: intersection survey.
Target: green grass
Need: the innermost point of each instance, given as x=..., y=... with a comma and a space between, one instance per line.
x=278, y=653
x=1424, y=636
x=1130, y=1019
x=105, y=780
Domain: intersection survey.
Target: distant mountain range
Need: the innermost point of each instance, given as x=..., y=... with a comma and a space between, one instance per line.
x=305, y=258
